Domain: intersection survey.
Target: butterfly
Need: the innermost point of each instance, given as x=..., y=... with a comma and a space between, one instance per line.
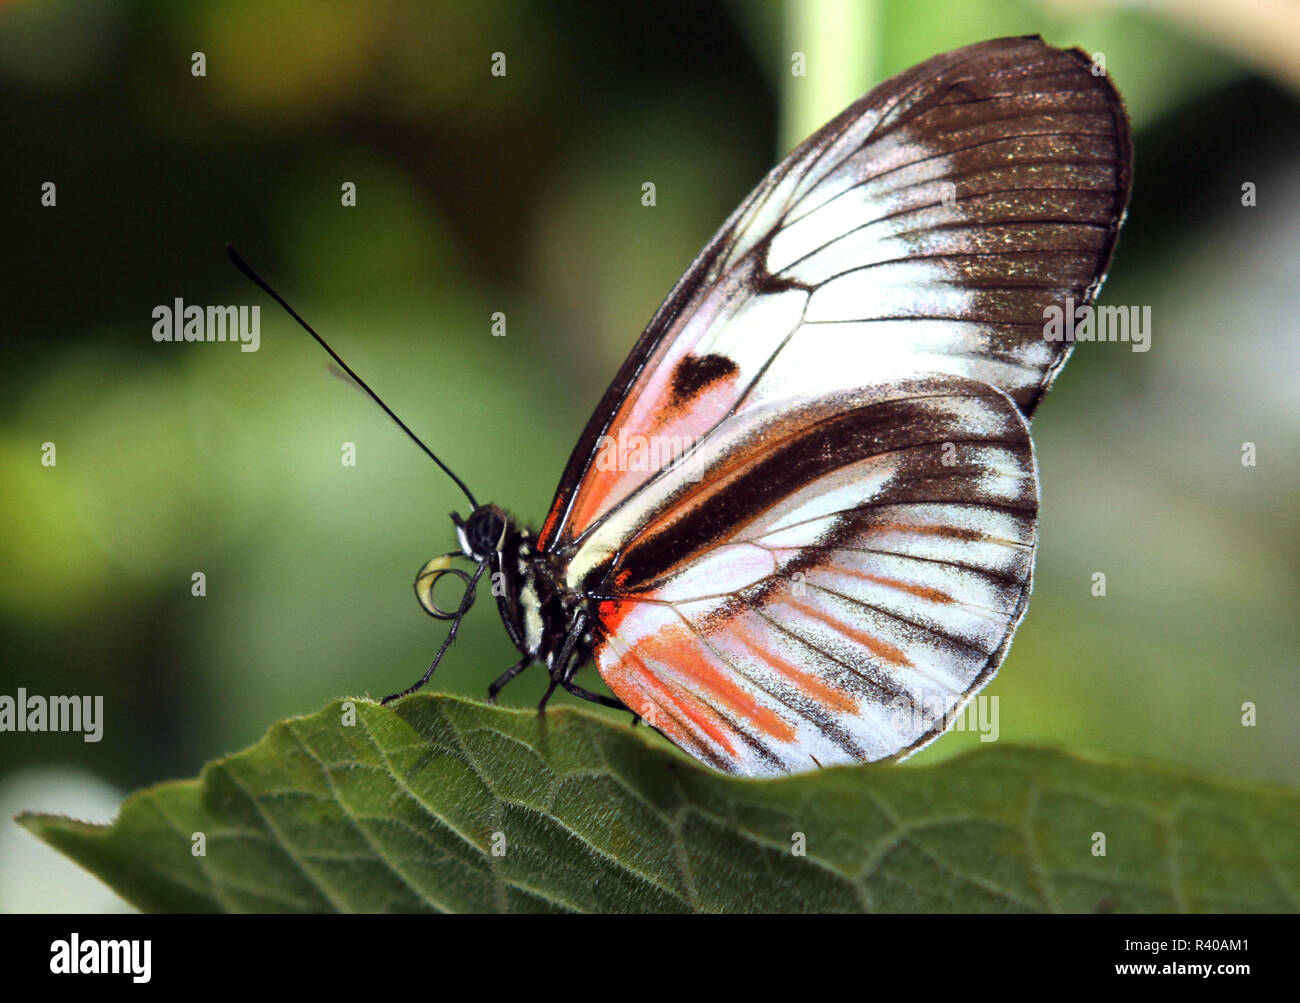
x=799, y=529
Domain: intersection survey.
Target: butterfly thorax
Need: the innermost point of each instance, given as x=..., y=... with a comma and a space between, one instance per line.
x=536, y=608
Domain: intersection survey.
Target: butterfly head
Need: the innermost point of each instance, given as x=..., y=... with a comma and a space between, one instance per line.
x=483, y=533
x=481, y=537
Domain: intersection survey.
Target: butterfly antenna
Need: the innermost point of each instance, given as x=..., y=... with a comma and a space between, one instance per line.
x=243, y=266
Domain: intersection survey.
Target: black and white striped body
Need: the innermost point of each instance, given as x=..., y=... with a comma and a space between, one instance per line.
x=546, y=621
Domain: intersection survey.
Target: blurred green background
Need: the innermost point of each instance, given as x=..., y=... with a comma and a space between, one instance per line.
x=521, y=194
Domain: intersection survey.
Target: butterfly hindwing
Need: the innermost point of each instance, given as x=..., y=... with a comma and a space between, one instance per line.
x=826, y=581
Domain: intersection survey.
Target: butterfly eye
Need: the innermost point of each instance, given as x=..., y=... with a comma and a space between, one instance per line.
x=426, y=580
x=485, y=530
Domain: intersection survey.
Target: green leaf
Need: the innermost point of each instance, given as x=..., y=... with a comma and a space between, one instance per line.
x=402, y=810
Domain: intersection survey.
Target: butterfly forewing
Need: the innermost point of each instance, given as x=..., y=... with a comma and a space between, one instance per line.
x=924, y=230
x=804, y=512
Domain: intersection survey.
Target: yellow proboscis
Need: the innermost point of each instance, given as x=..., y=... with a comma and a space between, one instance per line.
x=428, y=576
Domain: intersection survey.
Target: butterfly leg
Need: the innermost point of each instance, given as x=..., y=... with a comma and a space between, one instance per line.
x=541, y=707
x=571, y=669
x=505, y=677
x=604, y=701
x=559, y=667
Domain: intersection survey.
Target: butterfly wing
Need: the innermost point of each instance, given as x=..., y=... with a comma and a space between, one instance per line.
x=826, y=582
x=923, y=230
x=804, y=512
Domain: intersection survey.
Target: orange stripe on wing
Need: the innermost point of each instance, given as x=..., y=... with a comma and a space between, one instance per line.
x=881, y=649
x=921, y=591
x=809, y=683
x=611, y=613
x=644, y=438
x=551, y=522
x=685, y=654
x=630, y=671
